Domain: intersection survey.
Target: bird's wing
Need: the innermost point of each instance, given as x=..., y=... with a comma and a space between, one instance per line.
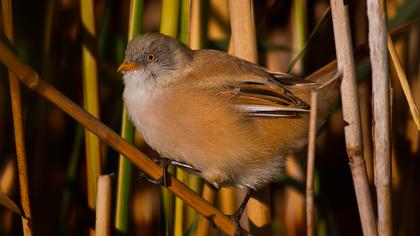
x=253, y=89
x=264, y=99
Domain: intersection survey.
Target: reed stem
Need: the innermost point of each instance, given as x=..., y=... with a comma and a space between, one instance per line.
x=90, y=97
x=15, y=98
x=245, y=47
x=127, y=132
x=104, y=204
x=381, y=112
x=310, y=214
x=351, y=115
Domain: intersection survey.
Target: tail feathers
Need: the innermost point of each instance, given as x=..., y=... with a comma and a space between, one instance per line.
x=329, y=81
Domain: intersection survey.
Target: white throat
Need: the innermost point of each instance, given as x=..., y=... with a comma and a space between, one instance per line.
x=138, y=93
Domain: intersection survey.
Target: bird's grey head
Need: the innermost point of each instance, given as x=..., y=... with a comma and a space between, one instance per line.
x=156, y=57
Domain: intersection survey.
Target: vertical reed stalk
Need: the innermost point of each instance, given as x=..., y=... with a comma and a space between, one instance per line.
x=196, y=37
x=299, y=31
x=203, y=224
x=103, y=207
x=245, y=47
x=180, y=174
x=310, y=214
x=127, y=132
x=351, y=115
x=15, y=99
x=196, y=24
x=90, y=97
x=381, y=115
x=170, y=17
x=179, y=209
x=227, y=200
x=227, y=196
x=169, y=26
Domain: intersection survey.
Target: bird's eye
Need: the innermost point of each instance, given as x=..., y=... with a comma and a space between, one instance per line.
x=151, y=57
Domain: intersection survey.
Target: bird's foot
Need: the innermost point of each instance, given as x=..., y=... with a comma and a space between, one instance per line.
x=238, y=229
x=164, y=163
x=164, y=180
x=236, y=216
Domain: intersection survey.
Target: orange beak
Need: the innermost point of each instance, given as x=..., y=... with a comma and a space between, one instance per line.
x=128, y=66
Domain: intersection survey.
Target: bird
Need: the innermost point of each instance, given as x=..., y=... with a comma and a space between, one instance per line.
x=229, y=119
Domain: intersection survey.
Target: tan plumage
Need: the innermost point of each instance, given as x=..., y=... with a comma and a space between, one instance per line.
x=232, y=120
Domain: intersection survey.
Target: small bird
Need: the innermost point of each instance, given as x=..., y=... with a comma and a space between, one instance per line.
x=231, y=120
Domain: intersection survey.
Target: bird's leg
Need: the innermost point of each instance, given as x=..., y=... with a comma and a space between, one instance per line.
x=182, y=165
x=238, y=213
x=164, y=163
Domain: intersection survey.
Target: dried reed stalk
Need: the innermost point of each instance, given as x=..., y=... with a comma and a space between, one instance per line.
x=31, y=79
x=381, y=112
x=104, y=206
x=196, y=25
x=15, y=99
x=245, y=47
x=310, y=214
x=404, y=82
x=351, y=115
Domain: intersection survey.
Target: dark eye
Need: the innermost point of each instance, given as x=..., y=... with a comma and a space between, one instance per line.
x=151, y=57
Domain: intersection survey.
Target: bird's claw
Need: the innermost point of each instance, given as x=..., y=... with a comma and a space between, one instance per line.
x=238, y=229
x=163, y=180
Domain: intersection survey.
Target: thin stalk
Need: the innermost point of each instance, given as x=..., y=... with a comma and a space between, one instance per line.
x=32, y=80
x=103, y=207
x=90, y=97
x=243, y=29
x=196, y=24
x=227, y=200
x=203, y=226
x=404, y=82
x=381, y=112
x=179, y=209
x=169, y=26
x=185, y=22
x=15, y=99
x=170, y=17
x=299, y=30
x=125, y=169
x=180, y=174
x=351, y=115
x=310, y=214
x=227, y=196
x=127, y=132
x=192, y=11
x=303, y=48
x=245, y=46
